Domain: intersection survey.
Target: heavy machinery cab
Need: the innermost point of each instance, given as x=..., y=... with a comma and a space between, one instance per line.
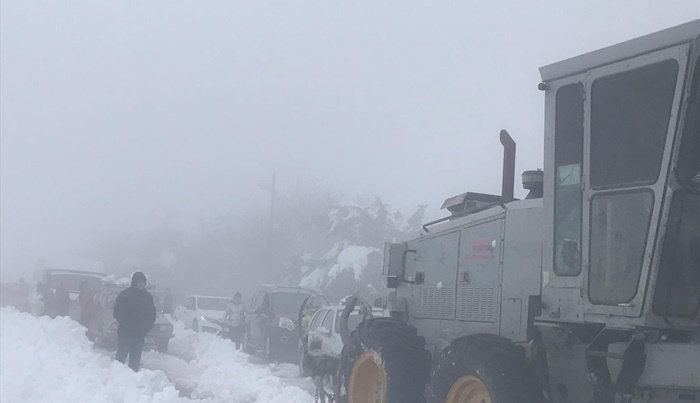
x=622, y=184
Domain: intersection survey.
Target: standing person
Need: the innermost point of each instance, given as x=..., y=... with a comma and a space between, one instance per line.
x=62, y=300
x=23, y=292
x=47, y=300
x=135, y=312
x=234, y=316
x=168, y=302
x=86, y=300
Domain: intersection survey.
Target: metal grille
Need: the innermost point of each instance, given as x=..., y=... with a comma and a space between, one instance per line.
x=437, y=303
x=476, y=304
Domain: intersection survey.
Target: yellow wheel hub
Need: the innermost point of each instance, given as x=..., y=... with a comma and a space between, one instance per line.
x=367, y=380
x=468, y=389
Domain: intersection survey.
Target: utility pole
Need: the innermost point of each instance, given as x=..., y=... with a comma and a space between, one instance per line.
x=272, y=210
x=273, y=195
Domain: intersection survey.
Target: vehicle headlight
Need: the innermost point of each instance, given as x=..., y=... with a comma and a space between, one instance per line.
x=286, y=323
x=165, y=328
x=208, y=319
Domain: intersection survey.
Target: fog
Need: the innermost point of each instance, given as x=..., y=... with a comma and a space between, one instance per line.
x=118, y=117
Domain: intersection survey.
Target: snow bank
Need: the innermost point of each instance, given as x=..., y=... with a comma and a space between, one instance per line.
x=51, y=360
x=45, y=360
x=228, y=375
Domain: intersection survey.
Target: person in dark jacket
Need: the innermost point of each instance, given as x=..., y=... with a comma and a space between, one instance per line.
x=135, y=312
x=47, y=299
x=168, y=302
x=62, y=302
x=88, y=306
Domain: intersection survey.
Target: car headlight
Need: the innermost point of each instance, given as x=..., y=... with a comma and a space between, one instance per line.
x=286, y=323
x=165, y=328
x=208, y=319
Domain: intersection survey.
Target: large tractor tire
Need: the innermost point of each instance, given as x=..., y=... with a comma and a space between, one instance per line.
x=484, y=369
x=385, y=361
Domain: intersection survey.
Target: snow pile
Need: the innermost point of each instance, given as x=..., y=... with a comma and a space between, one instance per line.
x=354, y=258
x=51, y=360
x=228, y=375
x=112, y=279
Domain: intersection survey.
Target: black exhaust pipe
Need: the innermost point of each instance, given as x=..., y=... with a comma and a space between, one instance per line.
x=508, y=180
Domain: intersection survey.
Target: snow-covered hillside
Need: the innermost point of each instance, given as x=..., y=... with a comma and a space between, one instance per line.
x=353, y=260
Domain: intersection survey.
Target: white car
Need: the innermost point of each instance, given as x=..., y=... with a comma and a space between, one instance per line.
x=202, y=313
x=323, y=341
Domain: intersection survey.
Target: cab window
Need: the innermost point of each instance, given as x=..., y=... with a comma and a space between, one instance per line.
x=630, y=114
x=568, y=194
x=688, y=161
x=678, y=285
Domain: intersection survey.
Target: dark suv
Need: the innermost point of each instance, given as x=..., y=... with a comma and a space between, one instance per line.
x=272, y=321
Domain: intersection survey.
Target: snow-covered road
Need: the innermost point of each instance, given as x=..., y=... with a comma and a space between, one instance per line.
x=44, y=360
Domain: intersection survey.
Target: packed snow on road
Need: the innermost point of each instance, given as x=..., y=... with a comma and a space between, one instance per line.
x=51, y=360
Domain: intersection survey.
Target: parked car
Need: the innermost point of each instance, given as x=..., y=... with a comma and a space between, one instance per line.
x=71, y=280
x=323, y=340
x=273, y=320
x=202, y=313
x=103, y=327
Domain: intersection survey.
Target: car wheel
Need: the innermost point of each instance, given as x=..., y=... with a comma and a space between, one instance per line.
x=195, y=325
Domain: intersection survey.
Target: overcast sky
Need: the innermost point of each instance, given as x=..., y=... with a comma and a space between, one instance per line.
x=124, y=113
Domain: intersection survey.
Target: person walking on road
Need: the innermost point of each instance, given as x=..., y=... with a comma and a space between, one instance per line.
x=47, y=298
x=88, y=306
x=168, y=302
x=234, y=316
x=135, y=312
x=62, y=302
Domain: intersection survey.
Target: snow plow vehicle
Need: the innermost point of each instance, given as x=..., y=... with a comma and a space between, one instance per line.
x=103, y=327
x=586, y=291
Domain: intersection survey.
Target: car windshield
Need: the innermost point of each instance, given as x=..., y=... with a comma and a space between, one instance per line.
x=288, y=304
x=212, y=303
